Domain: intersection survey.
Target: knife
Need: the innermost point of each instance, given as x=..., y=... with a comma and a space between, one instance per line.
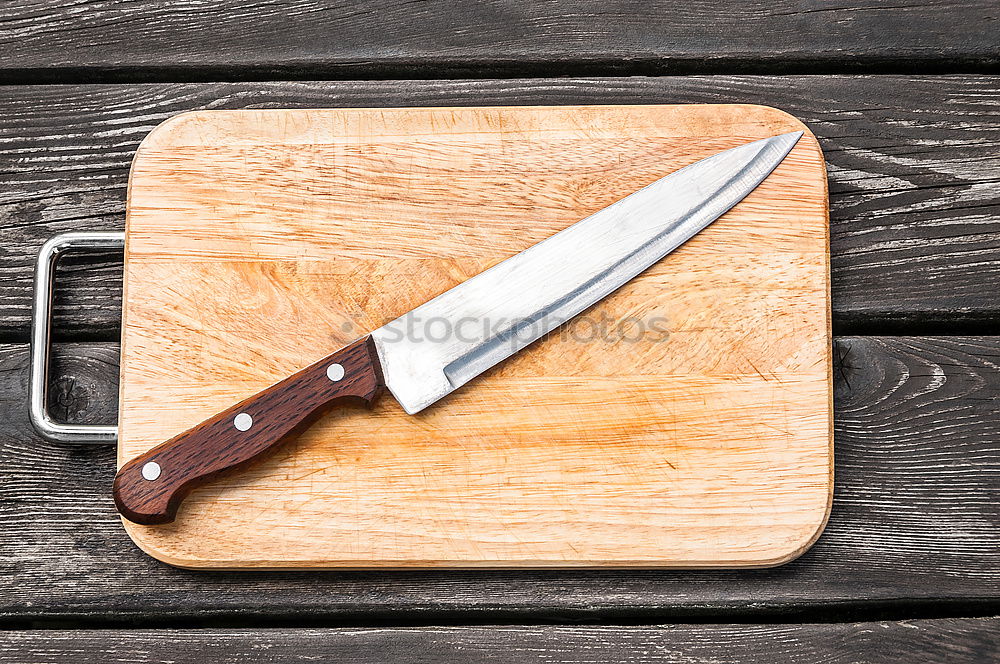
x=480, y=322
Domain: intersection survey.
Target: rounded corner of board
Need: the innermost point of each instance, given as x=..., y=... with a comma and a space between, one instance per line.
x=162, y=133
x=140, y=536
x=778, y=115
x=798, y=547
x=780, y=120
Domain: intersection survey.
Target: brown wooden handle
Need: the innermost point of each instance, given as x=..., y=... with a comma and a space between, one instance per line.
x=150, y=488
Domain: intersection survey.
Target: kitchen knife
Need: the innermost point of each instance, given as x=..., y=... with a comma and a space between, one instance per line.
x=475, y=325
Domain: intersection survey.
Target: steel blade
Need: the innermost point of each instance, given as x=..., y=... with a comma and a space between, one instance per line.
x=441, y=345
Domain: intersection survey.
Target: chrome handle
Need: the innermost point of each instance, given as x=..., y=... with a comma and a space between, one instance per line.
x=41, y=323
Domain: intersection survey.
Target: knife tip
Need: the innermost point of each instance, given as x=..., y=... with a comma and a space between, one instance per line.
x=792, y=136
x=783, y=143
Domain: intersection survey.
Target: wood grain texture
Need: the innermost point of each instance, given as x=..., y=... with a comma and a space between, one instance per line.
x=943, y=641
x=683, y=421
x=221, y=444
x=911, y=163
x=46, y=40
x=914, y=522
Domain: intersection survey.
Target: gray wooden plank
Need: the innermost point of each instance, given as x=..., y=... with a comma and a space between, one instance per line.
x=954, y=640
x=913, y=163
x=916, y=519
x=105, y=39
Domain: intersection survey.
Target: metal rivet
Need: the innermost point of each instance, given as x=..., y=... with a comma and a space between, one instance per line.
x=335, y=372
x=150, y=471
x=243, y=421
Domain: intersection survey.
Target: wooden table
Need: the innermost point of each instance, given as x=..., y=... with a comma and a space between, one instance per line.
x=906, y=103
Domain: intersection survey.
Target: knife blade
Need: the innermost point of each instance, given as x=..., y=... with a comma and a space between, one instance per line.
x=484, y=320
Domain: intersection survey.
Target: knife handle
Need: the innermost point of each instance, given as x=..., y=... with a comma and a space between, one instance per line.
x=150, y=488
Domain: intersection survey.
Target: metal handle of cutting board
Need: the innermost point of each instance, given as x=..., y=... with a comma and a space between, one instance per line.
x=41, y=327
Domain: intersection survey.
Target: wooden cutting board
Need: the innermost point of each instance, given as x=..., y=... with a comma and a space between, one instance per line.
x=685, y=421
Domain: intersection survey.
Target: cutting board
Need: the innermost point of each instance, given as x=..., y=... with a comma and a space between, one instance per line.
x=683, y=422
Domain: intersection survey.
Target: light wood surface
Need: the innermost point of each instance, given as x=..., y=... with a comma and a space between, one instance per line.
x=259, y=241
